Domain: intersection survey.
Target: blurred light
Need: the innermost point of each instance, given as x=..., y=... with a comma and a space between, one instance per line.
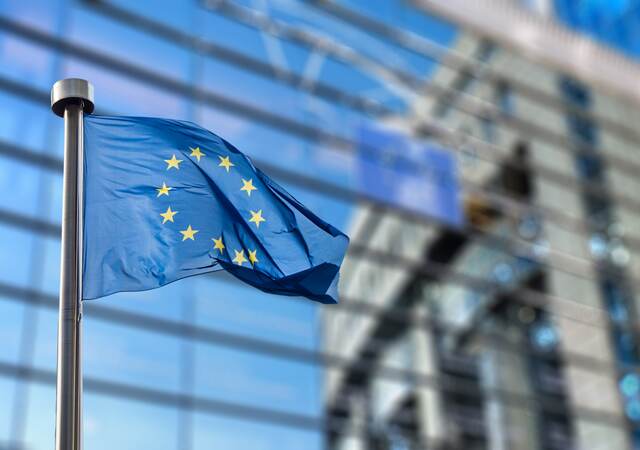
x=598, y=246
x=503, y=273
x=540, y=249
x=630, y=384
x=633, y=409
x=529, y=227
x=544, y=336
x=619, y=254
x=618, y=313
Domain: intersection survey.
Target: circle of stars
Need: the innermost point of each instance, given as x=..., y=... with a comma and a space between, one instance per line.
x=189, y=234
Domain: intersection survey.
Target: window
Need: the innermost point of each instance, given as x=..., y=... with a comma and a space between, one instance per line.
x=581, y=130
x=589, y=166
x=485, y=50
x=574, y=92
x=488, y=127
x=504, y=98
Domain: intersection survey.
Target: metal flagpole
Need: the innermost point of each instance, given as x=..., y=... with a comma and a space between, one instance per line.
x=71, y=98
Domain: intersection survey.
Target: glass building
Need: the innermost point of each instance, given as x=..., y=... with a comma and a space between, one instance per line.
x=489, y=295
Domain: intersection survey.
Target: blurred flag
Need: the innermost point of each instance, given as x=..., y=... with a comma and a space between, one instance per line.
x=166, y=199
x=413, y=175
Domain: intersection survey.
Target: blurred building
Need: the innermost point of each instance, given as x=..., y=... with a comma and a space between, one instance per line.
x=489, y=296
x=517, y=330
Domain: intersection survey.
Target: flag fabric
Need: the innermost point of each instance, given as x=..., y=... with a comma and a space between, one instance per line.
x=167, y=199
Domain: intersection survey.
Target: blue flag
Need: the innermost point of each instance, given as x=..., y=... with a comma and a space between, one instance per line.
x=167, y=199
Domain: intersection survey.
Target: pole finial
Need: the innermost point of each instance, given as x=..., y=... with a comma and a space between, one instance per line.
x=71, y=90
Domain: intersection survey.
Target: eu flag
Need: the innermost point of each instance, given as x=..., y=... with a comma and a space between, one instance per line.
x=167, y=199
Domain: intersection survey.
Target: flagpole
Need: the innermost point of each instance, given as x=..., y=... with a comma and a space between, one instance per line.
x=71, y=98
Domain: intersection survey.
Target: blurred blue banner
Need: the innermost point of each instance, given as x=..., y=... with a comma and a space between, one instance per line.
x=414, y=175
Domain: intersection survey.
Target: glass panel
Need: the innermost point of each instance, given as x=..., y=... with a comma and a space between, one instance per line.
x=131, y=356
x=256, y=380
x=40, y=408
x=22, y=181
x=11, y=312
x=116, y=421
x=229, y=433
x=15, y=247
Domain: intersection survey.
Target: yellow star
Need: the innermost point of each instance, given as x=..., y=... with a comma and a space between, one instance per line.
x=225, y=162
x=239, y=258
x=197, y=153
x=248, y=186
x=173, y=162
x=168, y=216
x=256, y=217
x=164, y=190
x=189, y=233
x=217, y=244
x=252, y=257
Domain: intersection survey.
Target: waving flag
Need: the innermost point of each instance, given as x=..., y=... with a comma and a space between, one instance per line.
x=167, y=199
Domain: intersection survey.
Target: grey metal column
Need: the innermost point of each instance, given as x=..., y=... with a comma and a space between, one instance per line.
x=71, y=98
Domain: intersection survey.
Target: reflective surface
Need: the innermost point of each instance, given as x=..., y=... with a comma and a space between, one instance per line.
x=513, y=326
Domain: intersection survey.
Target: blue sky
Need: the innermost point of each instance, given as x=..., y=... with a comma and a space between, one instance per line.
x=138, y=357
x=615, y=23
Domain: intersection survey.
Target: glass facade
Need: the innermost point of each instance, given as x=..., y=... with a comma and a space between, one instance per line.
x=515, y=329
x=523, y=322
